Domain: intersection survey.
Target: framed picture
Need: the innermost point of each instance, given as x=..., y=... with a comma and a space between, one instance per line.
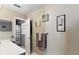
x=45, y=17
x=61, y=23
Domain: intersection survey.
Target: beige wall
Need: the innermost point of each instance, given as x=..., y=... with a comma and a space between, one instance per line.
x=6, y=14
x=36, y=16
x=58, y=42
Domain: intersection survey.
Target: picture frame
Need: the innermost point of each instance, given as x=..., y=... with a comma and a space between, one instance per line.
x=5, y=25
x=45, y=17
x=61, y=23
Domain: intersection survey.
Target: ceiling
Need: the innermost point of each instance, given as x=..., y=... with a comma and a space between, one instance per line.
x=24, y=8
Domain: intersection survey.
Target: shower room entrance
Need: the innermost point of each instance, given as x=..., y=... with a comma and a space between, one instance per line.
x=23, y=34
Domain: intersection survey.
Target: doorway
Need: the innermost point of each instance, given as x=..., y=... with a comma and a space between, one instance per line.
x=23, y=34
x=20, y=36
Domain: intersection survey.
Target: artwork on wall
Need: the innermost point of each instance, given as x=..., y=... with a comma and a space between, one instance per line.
x=61, y=23
x=45, y=17
x=5, y=25
x=38, y=23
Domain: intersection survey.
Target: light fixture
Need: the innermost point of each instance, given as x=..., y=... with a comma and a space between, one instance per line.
x=17, y=5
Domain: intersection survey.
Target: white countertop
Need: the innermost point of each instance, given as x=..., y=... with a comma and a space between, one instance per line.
x=9, y=48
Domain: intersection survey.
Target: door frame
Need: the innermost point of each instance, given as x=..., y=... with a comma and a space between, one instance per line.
x=14, y=31
x=13, y=27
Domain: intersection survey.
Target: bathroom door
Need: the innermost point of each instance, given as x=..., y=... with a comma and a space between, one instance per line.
x=27, y=36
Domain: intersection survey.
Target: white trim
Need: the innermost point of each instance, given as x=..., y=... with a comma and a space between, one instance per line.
x=19, y=18
x=13, y=25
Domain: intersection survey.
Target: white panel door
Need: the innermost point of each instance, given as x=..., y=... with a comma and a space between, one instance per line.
x=27, y=35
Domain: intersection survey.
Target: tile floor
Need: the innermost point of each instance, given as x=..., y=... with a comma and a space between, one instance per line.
x=33, y=53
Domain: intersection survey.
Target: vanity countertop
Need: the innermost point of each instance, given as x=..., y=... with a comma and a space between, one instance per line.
x=9, y=48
